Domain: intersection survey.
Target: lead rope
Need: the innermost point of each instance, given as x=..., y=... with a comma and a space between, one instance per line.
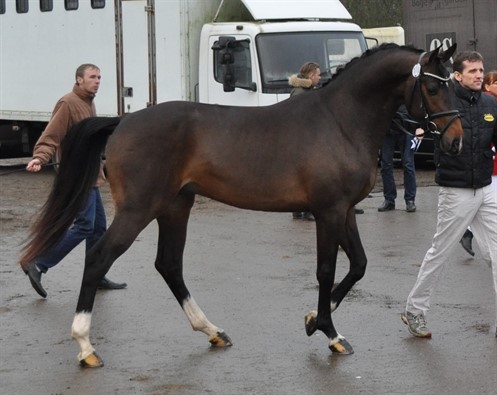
x=24, y=168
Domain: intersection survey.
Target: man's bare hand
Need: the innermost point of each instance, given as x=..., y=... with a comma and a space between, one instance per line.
x=34, y=166
x=419, y=133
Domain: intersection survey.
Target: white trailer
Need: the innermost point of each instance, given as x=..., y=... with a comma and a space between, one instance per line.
x=216, y=51
x=381, y=35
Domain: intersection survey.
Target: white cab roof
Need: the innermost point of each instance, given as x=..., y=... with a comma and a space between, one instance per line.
x=296, y=9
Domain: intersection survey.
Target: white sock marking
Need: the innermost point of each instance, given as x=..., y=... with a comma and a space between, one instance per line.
x=81, y=333
x=197, y=318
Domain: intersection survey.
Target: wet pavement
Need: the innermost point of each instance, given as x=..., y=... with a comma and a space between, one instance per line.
x=253, y=274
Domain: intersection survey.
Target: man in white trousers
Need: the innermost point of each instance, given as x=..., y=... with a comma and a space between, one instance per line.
x=466, y=196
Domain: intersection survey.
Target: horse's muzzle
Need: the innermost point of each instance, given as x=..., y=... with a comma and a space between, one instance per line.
x=454, y=148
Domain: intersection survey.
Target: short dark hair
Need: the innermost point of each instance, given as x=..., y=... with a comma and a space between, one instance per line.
x=470, y=56
x=80, y=71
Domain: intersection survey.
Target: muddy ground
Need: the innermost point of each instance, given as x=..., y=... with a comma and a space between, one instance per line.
x=253, y=275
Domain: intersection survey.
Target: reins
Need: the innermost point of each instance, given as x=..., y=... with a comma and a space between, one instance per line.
x=404, y=130
x=24, y=168
x=418, y=72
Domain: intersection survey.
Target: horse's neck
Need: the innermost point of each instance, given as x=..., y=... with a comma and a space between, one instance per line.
x=375, y=91
x=368, y=103
x=365, y=107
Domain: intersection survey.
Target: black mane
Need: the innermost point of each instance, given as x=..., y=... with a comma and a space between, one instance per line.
x=369, y=52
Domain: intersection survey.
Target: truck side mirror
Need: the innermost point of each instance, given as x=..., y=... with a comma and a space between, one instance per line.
x=226, y=59
x=232, y=58
x=229, y=79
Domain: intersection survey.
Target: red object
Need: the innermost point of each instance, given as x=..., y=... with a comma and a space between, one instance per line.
x=494, y=173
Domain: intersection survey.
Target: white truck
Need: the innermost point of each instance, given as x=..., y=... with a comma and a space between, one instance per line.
x=237, y=52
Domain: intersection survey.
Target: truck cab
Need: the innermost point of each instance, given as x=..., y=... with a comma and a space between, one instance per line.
x=248, y=63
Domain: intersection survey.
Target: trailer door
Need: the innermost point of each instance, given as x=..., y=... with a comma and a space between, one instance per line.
x=133, y=59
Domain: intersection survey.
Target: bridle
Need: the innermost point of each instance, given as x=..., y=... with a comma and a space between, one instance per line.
x=418, y=72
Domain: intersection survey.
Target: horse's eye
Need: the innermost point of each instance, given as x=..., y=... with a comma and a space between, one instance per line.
x=433, y=89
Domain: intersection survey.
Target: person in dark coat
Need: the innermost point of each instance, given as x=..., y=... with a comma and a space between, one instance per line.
x=402, y=136
x=466, y=195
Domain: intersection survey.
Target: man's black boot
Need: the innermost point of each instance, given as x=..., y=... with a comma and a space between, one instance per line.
x=105, y=283
x=358, y=210
x=34, y=275
x=387, y=206
x=467, y=242
x=410, y=206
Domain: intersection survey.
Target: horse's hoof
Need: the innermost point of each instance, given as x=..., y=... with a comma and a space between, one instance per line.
x=341, y=346
x=311, y=323
x=92, y=361
x=221, y=340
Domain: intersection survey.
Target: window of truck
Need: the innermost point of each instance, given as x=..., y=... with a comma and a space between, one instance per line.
x=282, y=54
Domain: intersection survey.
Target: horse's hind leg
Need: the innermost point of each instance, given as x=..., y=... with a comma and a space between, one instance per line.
x=169, y=263
x=99, y=259
x=329, y=235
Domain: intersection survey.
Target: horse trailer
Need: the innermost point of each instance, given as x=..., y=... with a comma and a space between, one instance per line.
x=236, y=52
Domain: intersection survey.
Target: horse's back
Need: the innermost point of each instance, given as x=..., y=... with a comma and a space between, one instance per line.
x=231, y=154
x=177, y=129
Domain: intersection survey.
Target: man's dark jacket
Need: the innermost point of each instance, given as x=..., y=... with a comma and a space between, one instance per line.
x=472, y=168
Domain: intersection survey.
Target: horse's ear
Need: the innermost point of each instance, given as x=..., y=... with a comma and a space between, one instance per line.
x=446, y=55
x=434, y=54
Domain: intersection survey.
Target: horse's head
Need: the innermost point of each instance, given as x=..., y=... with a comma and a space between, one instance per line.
x=429, y=98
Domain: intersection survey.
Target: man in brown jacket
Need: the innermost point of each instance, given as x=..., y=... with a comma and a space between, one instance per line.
x=90, y=223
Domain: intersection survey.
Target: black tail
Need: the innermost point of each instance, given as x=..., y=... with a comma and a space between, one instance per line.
x=79, y=169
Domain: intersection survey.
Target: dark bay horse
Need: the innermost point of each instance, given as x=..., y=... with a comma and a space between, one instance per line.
x=316, y=152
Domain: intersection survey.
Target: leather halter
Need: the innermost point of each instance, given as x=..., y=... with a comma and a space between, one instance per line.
x=417, y=72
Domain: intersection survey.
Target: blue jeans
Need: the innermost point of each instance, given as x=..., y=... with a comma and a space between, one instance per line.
x=90, y=224
x=403, y=141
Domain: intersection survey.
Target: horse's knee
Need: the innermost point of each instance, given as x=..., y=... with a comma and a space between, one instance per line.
x=325, y=273
x=358, y=271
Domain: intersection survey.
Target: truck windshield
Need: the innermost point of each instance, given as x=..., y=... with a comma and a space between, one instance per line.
x=282, y=54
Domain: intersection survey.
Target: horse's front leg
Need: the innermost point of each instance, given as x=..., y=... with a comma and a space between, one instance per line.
x=329, y=236
x=199, y=322
x=80, y=332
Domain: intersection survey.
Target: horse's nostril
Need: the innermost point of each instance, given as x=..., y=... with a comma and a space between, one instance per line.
x=456, y=146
